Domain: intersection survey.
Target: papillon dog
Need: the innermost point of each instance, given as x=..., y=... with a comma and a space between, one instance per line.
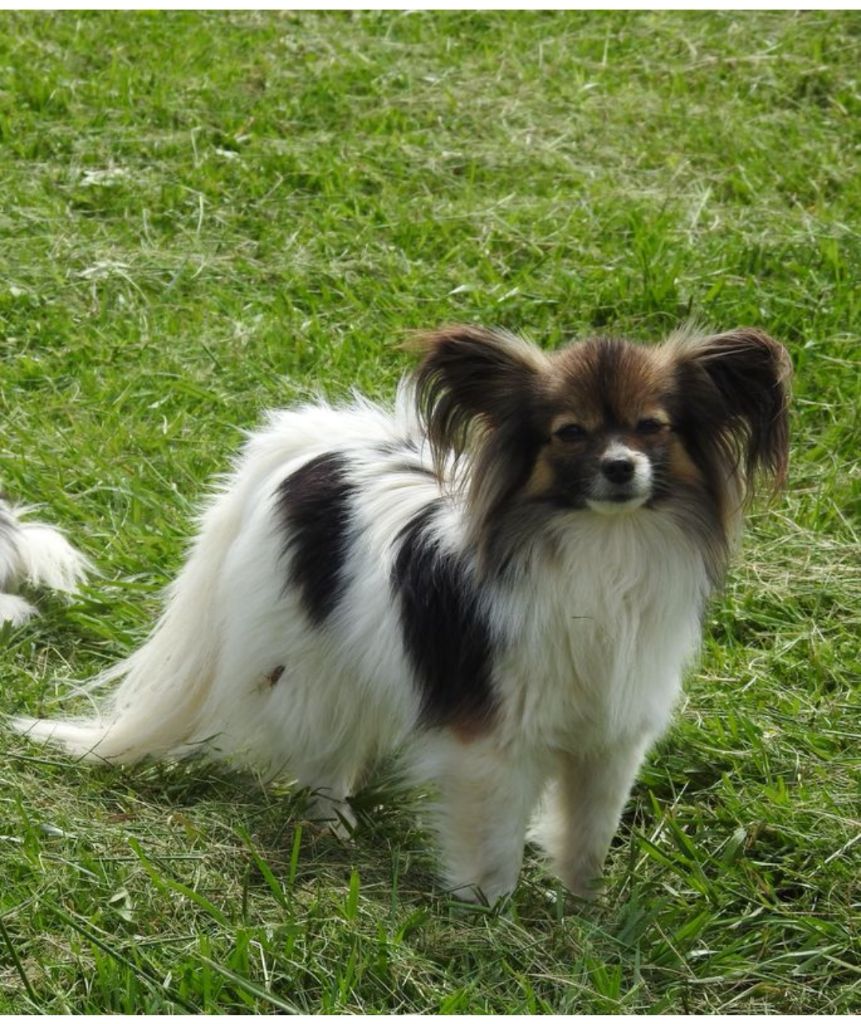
x=35, y=555
x=503, y=578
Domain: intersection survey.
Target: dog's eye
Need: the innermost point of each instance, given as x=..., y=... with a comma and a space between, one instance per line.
x=649, y=426
x=571, y=432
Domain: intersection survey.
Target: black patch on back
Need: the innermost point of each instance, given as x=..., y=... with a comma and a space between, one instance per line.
x=315, y=504
x=445, y=633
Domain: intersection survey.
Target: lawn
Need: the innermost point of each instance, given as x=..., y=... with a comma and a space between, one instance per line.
x=204, y=216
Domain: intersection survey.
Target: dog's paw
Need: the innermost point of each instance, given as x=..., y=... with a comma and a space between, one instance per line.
x=584, y=888
x=583, y=880
x=487, y=889
x=334, y=816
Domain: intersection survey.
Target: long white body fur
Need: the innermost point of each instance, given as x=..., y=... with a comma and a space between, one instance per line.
x=590, y=643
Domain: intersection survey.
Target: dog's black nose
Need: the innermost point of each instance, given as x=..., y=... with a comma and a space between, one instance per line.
x=618, y=471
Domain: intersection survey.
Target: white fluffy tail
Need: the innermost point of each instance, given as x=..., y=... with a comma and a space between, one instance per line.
x=166, y=681
x=47, y=559
x=35, y=554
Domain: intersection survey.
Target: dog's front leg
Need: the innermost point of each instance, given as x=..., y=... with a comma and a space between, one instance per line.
x=583, y=809
x=486, y=796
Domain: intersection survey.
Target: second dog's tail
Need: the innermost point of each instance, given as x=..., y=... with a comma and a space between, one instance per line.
x=47, y=559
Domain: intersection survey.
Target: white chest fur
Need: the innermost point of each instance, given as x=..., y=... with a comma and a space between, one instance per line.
x=600, y=630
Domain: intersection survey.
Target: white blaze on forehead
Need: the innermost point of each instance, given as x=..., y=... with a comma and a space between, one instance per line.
x=617, y=450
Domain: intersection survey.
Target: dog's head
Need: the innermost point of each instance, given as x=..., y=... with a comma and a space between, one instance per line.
x=607, y=425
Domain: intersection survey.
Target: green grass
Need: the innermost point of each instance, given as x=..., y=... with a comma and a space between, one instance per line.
x=203, y=216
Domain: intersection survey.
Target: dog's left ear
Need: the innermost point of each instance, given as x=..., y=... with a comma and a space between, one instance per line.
x=472, y=378
x=738, y=384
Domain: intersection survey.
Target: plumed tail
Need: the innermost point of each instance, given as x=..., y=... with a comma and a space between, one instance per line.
x=47, y=559
x=165, y=683
x=35, y=553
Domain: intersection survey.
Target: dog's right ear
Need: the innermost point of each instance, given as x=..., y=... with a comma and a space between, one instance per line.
x=736, y=388
x=473, y=379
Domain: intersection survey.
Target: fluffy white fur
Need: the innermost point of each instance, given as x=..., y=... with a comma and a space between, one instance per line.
x=601, y=664
x=590, y=640
x=35, y=555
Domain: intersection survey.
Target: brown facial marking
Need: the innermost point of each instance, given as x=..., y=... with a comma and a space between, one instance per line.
x=649, y=429
x=542, y=477
x=656, y=413
x=584, y=418
x=681, y=465
x=608, y=384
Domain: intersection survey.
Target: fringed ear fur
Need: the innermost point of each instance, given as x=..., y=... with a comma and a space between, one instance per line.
x=735, y=390
x=477, y=390
x=473, y=380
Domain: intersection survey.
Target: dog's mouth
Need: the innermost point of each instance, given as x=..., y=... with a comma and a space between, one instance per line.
x=618, y=501
x=613, y=498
